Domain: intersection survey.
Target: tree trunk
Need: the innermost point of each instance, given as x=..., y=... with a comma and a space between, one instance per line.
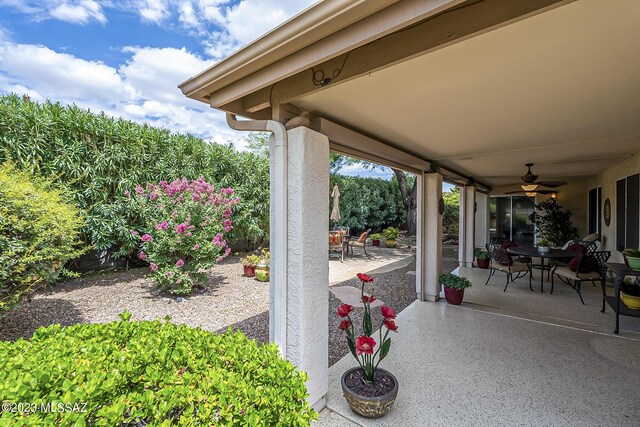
x=409, y=198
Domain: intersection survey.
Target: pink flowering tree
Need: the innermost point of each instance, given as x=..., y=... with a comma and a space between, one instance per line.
x=182, y=232
x=363, y=345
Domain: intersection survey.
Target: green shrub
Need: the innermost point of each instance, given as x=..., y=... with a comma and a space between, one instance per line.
x=391, y=233
x=182, y=230
x=38, y=234
x=151, y=374
x=450, y=280
x=99, y=157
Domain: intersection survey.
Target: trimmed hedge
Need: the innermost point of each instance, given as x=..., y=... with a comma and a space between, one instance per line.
x=99, y=157
x=150, y=374
x=39, y=233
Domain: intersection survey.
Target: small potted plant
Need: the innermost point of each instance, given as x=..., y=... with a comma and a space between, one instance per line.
x=375, y=239
x=390, y=235
x=543, y=245
x=632, y=258
x=249, y=263
x=369, y=390
x=630, y=293
x=482, y=258
x=262, y=269
x=454, y=287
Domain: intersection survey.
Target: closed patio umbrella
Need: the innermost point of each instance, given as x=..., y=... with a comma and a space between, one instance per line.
x=335, y=213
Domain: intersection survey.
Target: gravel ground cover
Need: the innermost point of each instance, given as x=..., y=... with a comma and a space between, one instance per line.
x=229, y=300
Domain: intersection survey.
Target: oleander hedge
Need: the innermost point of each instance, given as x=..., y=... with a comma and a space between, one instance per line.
x=98, y=157
x=142, y=373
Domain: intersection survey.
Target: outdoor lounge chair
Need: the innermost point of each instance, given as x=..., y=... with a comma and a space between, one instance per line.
x=589, y=267
x=361, y=242
x=500, y=261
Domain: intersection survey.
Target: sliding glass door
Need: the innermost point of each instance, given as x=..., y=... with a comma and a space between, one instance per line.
x=511, y=218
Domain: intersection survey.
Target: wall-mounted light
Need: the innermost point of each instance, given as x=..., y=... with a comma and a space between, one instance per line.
x=554, y=195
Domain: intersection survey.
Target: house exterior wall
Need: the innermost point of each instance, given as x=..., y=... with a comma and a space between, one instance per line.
x=607, y=180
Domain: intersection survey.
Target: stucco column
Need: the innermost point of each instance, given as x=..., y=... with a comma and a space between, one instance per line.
x=467, y=226
x=428, y=236
x=307, y=263
x=482, y=219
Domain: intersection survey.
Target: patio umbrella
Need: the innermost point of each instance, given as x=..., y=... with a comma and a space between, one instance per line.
x=335, y=213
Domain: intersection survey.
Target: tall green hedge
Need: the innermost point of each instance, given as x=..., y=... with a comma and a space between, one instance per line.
x=369, y=202
x=99, y=157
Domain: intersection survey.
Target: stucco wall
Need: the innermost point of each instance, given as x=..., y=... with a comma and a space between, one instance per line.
x=607, y=180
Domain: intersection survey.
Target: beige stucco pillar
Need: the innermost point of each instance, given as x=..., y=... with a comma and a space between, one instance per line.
x=482, y=219
x=428, y=236
x=467, y=227
x=306, y=297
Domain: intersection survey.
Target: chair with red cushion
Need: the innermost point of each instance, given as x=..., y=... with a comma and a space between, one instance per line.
x=501, y=261
x=361, y=242
x=587, y=267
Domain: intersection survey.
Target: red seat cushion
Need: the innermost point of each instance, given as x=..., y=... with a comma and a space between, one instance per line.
x=576, y=247
x=573, y=263
x=588, y=264
x=363, y=237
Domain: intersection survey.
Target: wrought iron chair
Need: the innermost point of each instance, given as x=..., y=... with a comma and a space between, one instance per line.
x=336, y=243
x=500, y=261
x=361, y=242
x=590, y=267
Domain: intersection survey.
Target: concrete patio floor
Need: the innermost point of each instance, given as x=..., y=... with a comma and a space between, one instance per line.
x=504, y=359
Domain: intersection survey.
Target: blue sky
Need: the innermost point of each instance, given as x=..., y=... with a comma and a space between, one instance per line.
x=126, y=57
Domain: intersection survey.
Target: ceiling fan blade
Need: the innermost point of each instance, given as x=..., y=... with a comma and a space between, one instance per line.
x=545, y=191
x=551, y=184
x=514, y=192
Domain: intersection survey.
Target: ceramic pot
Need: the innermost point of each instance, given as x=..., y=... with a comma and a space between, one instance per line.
x=391, y=243
x=370, y=407
x=375, y=242
x=632, y=262
x=630, y=301
x=249, y=270
x=453, y=296
x=262, y=272
x=483, y=263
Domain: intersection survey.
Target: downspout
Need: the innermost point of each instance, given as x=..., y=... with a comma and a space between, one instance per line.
x=279, y=230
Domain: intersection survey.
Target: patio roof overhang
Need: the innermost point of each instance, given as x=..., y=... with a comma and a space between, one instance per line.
x=482, y=87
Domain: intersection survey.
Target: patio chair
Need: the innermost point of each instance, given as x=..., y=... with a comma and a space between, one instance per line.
x=500, y=261
x=361, y=242
x=336, y=244
x=587, y=267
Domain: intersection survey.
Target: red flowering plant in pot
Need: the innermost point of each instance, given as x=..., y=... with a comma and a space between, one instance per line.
x=370, y=391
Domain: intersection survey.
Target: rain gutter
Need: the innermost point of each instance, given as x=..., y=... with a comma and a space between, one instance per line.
x=278, y=228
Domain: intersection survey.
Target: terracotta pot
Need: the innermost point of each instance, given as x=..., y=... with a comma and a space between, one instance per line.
x=375, y=242
x=483, y=263
x=370, y=407
x=453, y=296
x=249, y=271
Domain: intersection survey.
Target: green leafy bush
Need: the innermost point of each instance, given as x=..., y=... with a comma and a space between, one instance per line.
x=368, y=202
x=181, y=231
x=99, y=157
x=39, y=233
x=450, y=280
x=150, y=374
x=391, y=233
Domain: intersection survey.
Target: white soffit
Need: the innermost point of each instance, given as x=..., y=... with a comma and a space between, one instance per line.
x=560, y=89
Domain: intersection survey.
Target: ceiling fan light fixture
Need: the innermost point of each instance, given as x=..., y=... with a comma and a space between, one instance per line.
x=529, y=187
x=531, y=193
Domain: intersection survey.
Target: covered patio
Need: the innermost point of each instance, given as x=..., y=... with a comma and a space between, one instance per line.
x=467, y=92
x=504, y=359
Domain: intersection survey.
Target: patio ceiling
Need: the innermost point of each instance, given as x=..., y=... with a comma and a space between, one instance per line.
x=481, y=86
x=560, y=89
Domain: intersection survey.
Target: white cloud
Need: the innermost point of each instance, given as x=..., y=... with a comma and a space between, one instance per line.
x=188, y=15
x=79, y=13
x=154, y=11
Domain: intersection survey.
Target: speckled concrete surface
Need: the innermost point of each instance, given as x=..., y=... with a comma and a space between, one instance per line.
x=463, y=367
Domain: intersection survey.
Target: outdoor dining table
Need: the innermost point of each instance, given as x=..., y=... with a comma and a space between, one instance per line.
x=550, y=254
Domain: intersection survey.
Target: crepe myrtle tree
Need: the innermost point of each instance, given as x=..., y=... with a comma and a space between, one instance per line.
x=182, y=231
